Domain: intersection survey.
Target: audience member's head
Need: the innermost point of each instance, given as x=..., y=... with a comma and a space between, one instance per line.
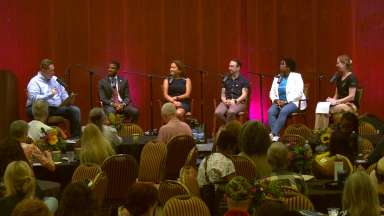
x=19, y=179
x=277, y=156
x=377, y=176
x=349, y=123
x=360, y=196
x=31, y=207
x=78, y=199
x=341, y=143
x=97, y=117
x=254, y=138
x=95, y=147
x=237, y=192
x=168, y=111
x=10, y=150
x=234, y=127
x=142, y=199
x=19, y=130
x=226, y=141
x=40, y=110
x=270, y=207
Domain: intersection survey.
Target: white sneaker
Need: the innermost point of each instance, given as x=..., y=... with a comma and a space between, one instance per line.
x=271, y=136
x=275, y=138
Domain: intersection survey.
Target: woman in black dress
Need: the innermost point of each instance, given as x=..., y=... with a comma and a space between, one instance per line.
x=344, y=99
x=177, y=88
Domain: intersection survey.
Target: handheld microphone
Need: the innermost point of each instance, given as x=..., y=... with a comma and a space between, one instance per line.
x=334, y=78
x=61, y=82
x=171, y=78
x=278, y=79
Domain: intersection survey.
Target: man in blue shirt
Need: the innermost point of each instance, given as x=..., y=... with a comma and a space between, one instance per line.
x=44, y=86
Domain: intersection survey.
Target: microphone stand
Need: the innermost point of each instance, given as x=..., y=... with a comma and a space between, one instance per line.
x=261, y=76
x=150, y=77
x=201, y=73
x=321, y=76
x=67, y=74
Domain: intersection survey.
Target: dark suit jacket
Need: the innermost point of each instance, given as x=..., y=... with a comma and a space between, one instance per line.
x=105, y=90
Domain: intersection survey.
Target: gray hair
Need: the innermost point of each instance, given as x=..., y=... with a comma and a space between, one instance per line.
x=277, y=155
x=168, y=109
x=18, y=129
x=40, y=109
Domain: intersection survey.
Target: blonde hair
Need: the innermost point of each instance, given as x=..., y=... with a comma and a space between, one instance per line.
x=19, y=179
x=360, y=196
x=40, y=110
x=346, y=60
x=95, y=147
x=277, y=155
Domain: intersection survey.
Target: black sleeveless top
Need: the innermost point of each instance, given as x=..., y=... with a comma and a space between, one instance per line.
x=176, y=86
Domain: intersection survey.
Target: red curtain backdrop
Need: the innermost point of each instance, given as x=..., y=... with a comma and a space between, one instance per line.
x=146, y=35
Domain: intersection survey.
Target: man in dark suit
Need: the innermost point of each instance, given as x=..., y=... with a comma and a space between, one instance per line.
x=114, y=94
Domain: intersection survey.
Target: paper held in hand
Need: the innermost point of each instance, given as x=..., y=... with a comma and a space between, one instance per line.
x=69, y=100
x=323, y=107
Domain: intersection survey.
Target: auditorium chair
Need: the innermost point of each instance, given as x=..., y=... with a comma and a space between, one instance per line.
x=178, y=149
x=185, y=205
x=244, y=167
x=152, y=162
x=169, y=189
x=122, y=172
x=293, y=139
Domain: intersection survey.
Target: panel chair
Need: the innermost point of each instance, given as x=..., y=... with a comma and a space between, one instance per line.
x=187, y=115
x=300, y=113
x=169, y=189
x=299, y=129
x=178, y=149
x=242, y=117
x=359, y=96
x=152, y=162
x=244, y=167
x=335, y=118
x=186, y=206
x=122, y=172
x=61, y=122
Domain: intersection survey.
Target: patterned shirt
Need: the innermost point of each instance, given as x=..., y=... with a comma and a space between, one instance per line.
x=234, y=87
x=289, y=179
x=218, y=167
